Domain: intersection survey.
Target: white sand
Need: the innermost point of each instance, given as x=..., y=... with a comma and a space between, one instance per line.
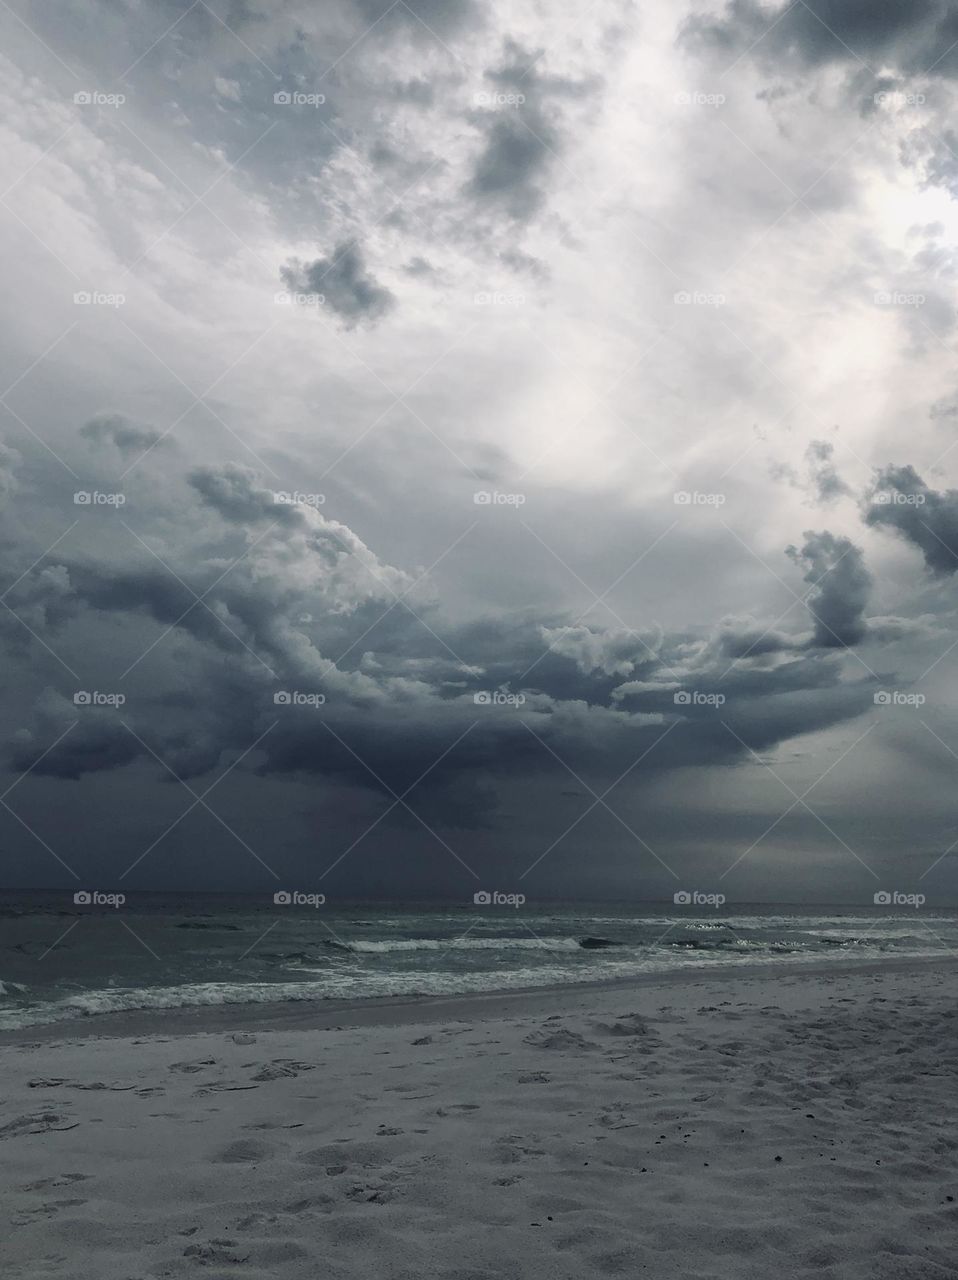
x=733, y=1126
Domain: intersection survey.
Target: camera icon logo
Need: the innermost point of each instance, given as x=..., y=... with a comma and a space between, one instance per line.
x=282, y=98
x=682, y=698
x=82, y=898
x=482, y=498
x=81, y=498
x=81, y=698
x=482, y=898
x=682, y=898
x=282, y=898
x=882, y=898
x=82, y=299
x=682, y=499
x=882, y=699
x=83, y=98
x=281, y=698
x=483, y=698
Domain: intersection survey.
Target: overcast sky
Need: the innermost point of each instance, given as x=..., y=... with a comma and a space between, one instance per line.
x=453, y=446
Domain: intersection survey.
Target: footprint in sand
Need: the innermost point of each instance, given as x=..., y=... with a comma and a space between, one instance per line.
x=246, y=1150
x=188, y=1068
x=39, y=1122
x=219, y=1252
x=557, y=1038
x=61, y=1180
x=48, y=1210
x=282, y=1069
x=626, y=1024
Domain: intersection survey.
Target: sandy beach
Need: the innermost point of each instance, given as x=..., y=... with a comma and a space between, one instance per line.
x=798, y=1123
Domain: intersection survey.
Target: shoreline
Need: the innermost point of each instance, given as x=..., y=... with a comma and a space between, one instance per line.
x=797, y=1122
x=398, y=1011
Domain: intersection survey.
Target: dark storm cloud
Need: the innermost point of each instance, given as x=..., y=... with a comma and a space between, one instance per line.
x=743, y=639
x=440, y=16
x=518, y=260
x=231, y=490
x=283, y=587
x=927, y=518
x=127, y=436
x=821, y=479
x=419, y=266
x=9, y=459
x=827, y=483
x=840, y=587
x=90, y=739
x=910, y=35
x=523, y=131
x=344, y=284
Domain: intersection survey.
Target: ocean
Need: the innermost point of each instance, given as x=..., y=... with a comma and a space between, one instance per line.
x=62, y=960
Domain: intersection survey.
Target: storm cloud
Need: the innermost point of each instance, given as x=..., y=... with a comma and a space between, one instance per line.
x=342, y=283
x=911, y=35
x=925, y=517
x=393, y=394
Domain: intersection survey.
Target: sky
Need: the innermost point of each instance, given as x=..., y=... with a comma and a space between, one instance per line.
x=453, y=446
